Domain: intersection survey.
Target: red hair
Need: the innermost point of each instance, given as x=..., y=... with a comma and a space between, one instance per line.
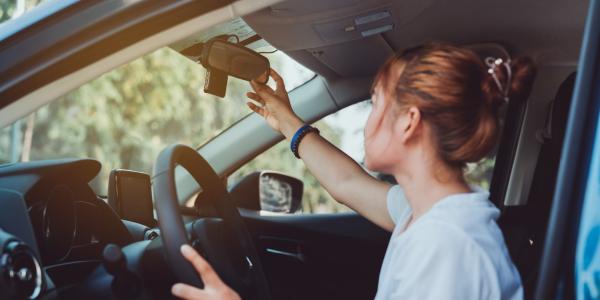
x=455, y=94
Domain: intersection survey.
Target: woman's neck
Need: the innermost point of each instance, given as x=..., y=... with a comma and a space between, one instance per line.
x=424, y=187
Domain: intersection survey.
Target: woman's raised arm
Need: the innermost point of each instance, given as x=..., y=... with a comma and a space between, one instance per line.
x=339, y=174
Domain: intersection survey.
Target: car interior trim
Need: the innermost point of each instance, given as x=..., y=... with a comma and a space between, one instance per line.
x=574, y=161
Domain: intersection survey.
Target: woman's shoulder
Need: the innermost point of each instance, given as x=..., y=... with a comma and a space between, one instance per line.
x=434, y=233
x=472, y=214
x=471, y=218
x=447, y=239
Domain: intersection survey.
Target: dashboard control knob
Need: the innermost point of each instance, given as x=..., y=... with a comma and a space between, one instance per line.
x=125, y=284
x=113, y=259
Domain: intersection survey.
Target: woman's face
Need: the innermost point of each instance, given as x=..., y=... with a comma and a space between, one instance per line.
x=380, y=150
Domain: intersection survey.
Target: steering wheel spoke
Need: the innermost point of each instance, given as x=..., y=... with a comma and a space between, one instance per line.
x=223, y=240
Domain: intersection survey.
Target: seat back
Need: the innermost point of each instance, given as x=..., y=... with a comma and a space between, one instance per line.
x=524, y=227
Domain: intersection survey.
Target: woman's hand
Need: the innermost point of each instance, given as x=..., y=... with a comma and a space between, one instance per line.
x=276, y=107
x=214, y=287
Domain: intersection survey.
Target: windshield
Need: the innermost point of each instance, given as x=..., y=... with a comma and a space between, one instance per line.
x=127, y=116
x=13, y=9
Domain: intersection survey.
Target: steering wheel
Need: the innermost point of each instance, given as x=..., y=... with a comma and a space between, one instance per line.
x=223, y=240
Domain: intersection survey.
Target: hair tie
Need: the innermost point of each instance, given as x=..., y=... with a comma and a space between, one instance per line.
x=492, y=64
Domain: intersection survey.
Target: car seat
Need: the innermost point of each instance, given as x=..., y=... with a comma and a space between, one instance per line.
x=525, y=226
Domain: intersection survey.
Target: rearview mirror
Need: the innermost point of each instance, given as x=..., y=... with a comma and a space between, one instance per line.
x=222, y=58
x=269, y=191
x=234, y=60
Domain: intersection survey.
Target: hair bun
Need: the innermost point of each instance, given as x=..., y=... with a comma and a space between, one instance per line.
x=520, y=81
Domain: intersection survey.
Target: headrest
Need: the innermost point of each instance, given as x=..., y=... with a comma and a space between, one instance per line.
x=559, y=111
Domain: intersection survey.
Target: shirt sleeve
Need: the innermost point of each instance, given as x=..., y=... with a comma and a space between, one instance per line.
x=443, y=264
x=397, y=206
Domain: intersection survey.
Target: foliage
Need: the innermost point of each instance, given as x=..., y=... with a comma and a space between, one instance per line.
x=126, y=116
x=8, y=8
x=480, y=173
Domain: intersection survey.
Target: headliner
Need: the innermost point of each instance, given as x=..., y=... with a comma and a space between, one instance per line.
x=548, y=31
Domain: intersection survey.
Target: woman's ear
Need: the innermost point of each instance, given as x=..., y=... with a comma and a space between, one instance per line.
x=409, y=124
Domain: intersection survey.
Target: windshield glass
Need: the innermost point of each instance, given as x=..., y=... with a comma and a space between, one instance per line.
x=126, y=116
x=13, y=9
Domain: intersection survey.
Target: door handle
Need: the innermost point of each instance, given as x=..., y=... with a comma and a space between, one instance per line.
x=297, y=256
x=283, y=247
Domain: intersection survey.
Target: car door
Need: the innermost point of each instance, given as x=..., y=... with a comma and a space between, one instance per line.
x=320, y=256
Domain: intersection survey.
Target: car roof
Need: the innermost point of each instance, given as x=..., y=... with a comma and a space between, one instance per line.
x=328, y=36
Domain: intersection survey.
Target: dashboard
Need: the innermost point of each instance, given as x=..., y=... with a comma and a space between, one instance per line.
x=70, y=223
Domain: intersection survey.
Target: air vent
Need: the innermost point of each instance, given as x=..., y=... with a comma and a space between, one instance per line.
x=20, y=272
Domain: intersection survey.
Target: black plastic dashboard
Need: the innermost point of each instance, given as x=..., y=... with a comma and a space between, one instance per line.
x=70, y=224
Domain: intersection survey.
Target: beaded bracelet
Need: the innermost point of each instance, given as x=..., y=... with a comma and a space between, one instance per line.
x=299, y=135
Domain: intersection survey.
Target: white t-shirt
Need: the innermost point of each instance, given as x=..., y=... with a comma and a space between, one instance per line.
x=453, y=251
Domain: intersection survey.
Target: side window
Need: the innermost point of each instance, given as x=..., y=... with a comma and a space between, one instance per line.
x=344, y=129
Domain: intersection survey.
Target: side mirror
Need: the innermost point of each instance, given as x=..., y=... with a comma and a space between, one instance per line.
x=269, y=191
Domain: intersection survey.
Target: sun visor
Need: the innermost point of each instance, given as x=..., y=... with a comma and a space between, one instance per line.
x=355, y=58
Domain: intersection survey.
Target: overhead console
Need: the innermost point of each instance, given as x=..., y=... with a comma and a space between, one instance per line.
x=297, y=25
x=340, y=39
x=335, y=38
x=356, y=27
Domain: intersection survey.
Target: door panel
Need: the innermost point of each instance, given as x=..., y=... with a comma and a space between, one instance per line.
x=329, y=256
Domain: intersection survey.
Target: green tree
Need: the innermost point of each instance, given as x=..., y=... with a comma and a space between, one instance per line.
x=10, y=9
x=127, y=116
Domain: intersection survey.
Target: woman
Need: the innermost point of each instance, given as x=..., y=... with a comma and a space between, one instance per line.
x=434, y=110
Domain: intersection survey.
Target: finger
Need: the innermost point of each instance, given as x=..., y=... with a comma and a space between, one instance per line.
x=208, y=275
x=256, y=109
x=263, y=77
x=185, y=291
x=262, y=90
x=278, y=80
x=257, y=103
x=255, y=97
